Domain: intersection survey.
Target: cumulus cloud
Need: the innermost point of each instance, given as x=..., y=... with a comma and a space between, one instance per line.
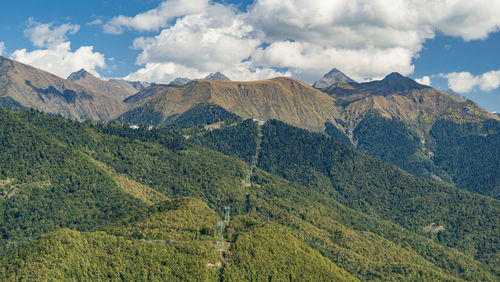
x=464, y=82
x=2, y=48
x=56, y=55
x=60, y=60
x=47, y=35
x=218, y=39
x=425, y=80
x=155, y=18
x=303, y=38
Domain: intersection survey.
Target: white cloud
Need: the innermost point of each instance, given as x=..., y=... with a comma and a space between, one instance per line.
x=366, y=39
x=56, y=55
x=155, y=18
x=46, y=34
x=398, y=27
x=60, y=60
x=464, y=82
x=425, y=80
x=163, y=73
x=95, y=22
x=490, y=80
x=2, y=48
x=216, y=40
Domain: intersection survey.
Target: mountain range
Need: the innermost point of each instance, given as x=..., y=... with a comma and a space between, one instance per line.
x=380, y=180
x=22, y=86
x=100, y=201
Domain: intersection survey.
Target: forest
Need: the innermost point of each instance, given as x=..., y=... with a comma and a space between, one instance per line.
x=93, y=201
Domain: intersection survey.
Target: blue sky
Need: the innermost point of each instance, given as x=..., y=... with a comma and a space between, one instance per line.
x=450, y=46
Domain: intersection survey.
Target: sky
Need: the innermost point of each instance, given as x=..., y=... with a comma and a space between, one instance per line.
x=443, y=43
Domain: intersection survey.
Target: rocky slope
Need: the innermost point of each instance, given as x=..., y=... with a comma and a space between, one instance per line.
x=332, y=77
x=217, y=76
x=23, y=86
x=103, y=87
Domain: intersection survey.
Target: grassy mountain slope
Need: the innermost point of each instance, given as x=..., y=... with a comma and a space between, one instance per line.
x=283, y=98
x=22, y=86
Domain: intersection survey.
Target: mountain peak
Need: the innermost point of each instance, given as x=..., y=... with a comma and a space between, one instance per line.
x=332, y=77
x=217, y=76
x=396, y=82
x=79, y=75
x=394, y=76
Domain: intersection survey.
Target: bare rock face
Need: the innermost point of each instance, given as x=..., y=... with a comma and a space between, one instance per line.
x=23, y=86
x=217, y=76
x=332, y=77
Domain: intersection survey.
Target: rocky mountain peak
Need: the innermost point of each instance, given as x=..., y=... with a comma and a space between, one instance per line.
x=332, y=77
x=217, y=76
x=394, y=76
x=79, y=75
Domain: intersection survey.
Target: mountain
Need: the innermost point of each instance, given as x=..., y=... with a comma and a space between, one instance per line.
x=398, y=120
x=395, y=119
x=131, y=87
x=106, y=88
x=279, y=98
x=180, y=81
x=92, y=201
x=217, y=76
x=348, y=92
x=22, y=86
x=332, y=77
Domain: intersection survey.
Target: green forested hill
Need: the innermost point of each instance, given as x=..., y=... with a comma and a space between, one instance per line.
x=462, y=152
x=109, y=185
x=374, y=187
x=377, y=188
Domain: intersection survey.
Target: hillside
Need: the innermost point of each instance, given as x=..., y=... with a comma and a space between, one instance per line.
x=116, y=180
x=176, y=245
x=22, y=86
x=397, y=120
x=279, y=98
x=363, y=183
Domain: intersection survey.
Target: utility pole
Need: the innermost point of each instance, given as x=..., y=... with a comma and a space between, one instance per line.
x=219, y=243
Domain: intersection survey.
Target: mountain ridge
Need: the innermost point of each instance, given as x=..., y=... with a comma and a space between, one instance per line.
x=28, y=87
x=297, y=102
x=103, y=87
